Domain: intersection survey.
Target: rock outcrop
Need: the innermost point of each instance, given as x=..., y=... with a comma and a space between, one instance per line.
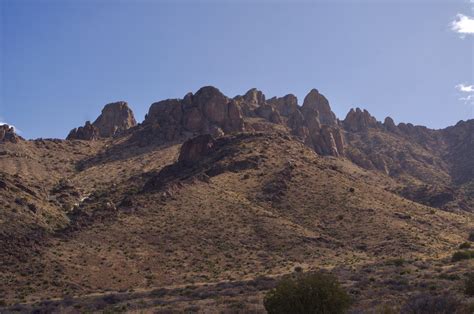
x=249, y=102
x=7, y=134
x=88, y=132
x=389, y=125
x=195, y=148
x=314, y=123
x=206, y=112
x=115, y=118
x=269, y=113
x=359, y=120
x=286, y=106
x=315, y=101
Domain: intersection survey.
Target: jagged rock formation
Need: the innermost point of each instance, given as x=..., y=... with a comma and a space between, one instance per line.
x=286, y=106
x=115, y=118
x=460, y=141
x=314, y=101
x=87, y=132
x=389, y=125
x=206, y=112
x=7, y=134
x=249, y=102
x=415, y=154
x=359, y=120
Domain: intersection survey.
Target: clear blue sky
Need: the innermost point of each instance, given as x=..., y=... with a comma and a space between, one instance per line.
x=61, y=61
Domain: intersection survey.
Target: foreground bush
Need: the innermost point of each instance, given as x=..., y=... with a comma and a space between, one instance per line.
x=307, y=293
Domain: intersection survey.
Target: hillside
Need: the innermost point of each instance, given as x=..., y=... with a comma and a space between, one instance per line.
x=125, y=216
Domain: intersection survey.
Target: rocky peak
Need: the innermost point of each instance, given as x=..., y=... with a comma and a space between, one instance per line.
x=286, y=105
x=212, y=104
x=359, y=120
x=250, y=101
x=254, y=97
x=7, y=134
x=389, y=125
x=115, y=118
x=316, y=101
x=206, y=112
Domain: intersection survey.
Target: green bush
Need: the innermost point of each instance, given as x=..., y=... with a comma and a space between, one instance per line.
x=469, y=285
x=307, y=293
x=460, y=255
x=465, y=245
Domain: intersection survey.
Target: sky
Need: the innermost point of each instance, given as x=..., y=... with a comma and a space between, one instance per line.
x=61, y=61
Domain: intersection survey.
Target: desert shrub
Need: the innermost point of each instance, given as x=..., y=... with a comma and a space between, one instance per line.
x=465, y=245
x=422, y=304
x=307, y=293
x=469, y=285
x=471, y=236
x=396, y=262
x=460, y=255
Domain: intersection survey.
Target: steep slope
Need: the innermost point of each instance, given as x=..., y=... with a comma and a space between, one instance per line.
x=254, y=204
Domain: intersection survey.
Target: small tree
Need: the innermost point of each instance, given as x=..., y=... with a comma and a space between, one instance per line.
x=303, y=293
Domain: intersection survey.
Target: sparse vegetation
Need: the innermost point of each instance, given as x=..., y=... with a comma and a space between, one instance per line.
x=307, y=293
x=471, y=236
x=399, y=262
x=462, y=255
x=469, y=284
x=444, y=304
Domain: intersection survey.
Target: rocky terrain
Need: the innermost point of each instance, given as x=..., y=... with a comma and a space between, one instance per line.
x=208, y=201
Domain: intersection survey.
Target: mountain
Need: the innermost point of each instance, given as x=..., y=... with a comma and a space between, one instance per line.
x=208, y=201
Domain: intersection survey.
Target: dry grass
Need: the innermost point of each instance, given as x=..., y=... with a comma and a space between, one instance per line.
x=294, y=209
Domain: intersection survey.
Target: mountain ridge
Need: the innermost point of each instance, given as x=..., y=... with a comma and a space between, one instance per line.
x=211, y=189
